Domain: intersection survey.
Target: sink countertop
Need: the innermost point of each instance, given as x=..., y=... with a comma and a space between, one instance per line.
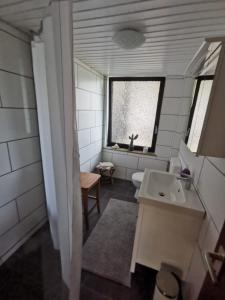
x=192, y=205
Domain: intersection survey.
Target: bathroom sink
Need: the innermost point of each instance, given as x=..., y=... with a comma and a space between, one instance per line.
x=161, y=186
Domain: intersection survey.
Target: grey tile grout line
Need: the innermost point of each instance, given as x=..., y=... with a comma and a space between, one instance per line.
x=15, y=36
x=1, y=104
x=221, y=172
x=27, y=233
x=21, y=220
x=18, y=108
x=14, y=73
x=10, y=161
x=20, y=139
x=30, y=164
x=27, y=191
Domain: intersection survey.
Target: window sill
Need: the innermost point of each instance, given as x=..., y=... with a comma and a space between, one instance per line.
x=131, y=152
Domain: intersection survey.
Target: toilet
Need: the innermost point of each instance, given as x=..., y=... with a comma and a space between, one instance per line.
x=137, y=179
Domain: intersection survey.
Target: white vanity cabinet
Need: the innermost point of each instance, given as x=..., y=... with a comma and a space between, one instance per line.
x=166, y=232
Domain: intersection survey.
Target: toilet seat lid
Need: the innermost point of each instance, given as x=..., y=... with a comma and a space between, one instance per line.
x=138, y=176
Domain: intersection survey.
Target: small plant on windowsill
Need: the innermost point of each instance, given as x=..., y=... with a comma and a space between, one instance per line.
x=132, y=138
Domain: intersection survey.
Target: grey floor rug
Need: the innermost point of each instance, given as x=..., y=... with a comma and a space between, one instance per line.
x=108, y=250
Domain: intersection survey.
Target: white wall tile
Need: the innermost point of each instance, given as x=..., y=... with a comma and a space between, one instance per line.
x=174, y=87
x=99, y=84
x=21, y=95
x=131, y=161
x=87, y=153
x=86, y=80
x=18, y=182
x=4, y=160
x=163, y=151
x=86, y=119
x=195, y=277
x=95, y=160
x=193, y=162
x=18, y=58
x=14, y=235
x=30, y=201
x=171, y=106
x=97, y=147
x=219, y=163
x=182, y=122
x=84, y=137
x=120, y=172
x=168, y=122
x=24, y=152
x=96, y=102
x=17, y=124
x=8, y=217
x=83, y=99
x=211, y=187
x=107, y=156
x=164, y=138
x=119, y=159
x=149, y=163
x=210, y=239
x=98, y=118
x=75, y=73
x=86, y=167
x=96, y=134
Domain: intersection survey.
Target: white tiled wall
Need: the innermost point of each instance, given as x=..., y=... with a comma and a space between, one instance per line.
x=209, y=180
x=89, y=114
x=22, y=197
x=128, y=163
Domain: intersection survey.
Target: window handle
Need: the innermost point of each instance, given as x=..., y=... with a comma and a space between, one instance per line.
x=156, y=129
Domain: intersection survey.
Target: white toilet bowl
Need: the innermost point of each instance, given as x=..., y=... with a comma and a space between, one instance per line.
x=137, y=179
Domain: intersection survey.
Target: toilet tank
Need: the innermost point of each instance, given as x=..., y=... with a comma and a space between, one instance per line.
x=175, y=165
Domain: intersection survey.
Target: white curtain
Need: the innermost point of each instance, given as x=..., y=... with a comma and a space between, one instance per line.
x=56, y=39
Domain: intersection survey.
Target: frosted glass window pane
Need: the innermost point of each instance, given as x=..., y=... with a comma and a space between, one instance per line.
x=199, y=114
x=134, y=105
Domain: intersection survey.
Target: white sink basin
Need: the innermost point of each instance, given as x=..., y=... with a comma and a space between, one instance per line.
x=162, y=186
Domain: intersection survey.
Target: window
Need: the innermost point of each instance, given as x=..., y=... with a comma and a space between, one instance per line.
x=203, y=85
x=134, y=108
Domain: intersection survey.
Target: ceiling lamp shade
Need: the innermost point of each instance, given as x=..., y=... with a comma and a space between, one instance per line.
x=129, y=38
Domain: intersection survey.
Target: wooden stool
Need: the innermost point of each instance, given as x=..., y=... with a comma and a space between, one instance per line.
x=87, y=182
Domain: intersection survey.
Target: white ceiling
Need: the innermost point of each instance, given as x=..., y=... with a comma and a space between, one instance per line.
x=174, y=30
x=25, y=14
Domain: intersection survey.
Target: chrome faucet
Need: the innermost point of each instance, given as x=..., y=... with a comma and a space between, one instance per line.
x=188, y=179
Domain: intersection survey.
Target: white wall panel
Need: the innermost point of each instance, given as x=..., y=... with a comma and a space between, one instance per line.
x=83, y=99
x=18, y=182
x=17, y=91
x=84, y=137
x=8, y=217
x=96, y=134
x=211, y=187
x=85, y=79
x=18, y=58
x=17, y=124
x=24, y=152
x=30, y=201
x=14, y=235
x=4, y=160
x=86, y=119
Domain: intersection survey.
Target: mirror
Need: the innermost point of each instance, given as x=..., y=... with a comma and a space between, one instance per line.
x=201, y=96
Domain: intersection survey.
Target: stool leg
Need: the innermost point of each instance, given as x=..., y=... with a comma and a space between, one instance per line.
x=97, y=196
x=85, y=206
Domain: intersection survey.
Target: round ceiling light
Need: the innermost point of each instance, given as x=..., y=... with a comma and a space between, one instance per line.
x=129, y=38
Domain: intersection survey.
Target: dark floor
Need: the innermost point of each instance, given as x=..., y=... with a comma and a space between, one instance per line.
x=94, y=287
x=33, y=272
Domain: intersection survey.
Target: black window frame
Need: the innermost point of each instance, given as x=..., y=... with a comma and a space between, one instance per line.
x=158, y=110
x=194, y=102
